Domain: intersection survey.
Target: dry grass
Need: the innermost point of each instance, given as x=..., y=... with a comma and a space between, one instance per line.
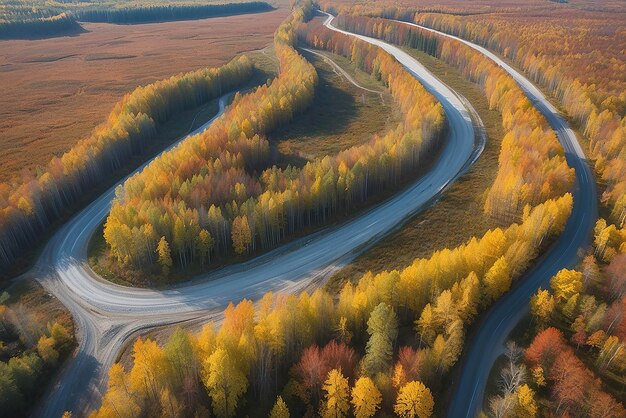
x=458, y=215
x=55, y=91
x=341, y=115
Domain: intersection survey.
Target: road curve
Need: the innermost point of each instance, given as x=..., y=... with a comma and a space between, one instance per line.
x=488, y=341
x=108, y=314
x=340, y=71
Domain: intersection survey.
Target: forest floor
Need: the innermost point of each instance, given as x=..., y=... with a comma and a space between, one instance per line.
x=27, y=312
x=458, y=215
x=55, y=91
x=36, y=306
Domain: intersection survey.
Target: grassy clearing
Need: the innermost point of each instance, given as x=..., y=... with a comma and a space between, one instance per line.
x=341, y=115
x=458, y=215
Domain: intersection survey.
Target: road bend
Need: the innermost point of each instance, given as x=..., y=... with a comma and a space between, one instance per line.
x=107, y=315
x=487, y=343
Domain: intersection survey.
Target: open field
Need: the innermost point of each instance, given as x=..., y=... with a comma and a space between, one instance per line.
x=341, y=115
x=455, y=218
x=56, y=91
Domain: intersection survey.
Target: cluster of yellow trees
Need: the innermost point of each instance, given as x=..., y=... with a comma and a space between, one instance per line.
x=29, y=207
x=254, y=349
x=532, y=167
x=274, y=348
x=206, y=198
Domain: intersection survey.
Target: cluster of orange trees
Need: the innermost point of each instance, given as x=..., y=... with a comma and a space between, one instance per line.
x=206, y=198
x=586, y=73
x=574, y=389
x=532, y=167
x=273, y=348
x=29, y=207
x=576, y=361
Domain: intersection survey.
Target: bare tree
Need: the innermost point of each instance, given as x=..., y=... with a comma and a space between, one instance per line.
x=513, y=373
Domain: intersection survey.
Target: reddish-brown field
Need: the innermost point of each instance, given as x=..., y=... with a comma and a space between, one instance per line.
x=54, y=91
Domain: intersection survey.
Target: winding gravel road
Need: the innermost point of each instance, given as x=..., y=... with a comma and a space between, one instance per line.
x=107, y=315
x=487, y=343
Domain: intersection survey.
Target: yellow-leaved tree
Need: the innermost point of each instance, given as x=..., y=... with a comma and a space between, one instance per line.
x=542, y=306
x=118, y=400
x=280, y=409
x=526, y=405
x=566, y=283
x=337, y=397
x=498, y=279
x=224, y=381
x=414, y=400
x=366, y=398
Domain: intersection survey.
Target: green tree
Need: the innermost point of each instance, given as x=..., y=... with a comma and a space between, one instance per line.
x=11, y=399
x=179, y=358
x=382, y=327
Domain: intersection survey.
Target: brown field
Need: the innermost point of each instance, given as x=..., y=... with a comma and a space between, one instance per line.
x=54, y=91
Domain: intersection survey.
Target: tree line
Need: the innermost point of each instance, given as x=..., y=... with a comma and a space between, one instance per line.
x=29, y=206
x=589, y=85
x=317, y=353
x=213, y=202
x=586, y=306
x=531, y=167
x=337, y=355
x=147, y=14
x=39, y=27
x=23, y=22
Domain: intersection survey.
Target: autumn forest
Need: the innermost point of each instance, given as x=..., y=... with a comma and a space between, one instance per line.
x=400, y=208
